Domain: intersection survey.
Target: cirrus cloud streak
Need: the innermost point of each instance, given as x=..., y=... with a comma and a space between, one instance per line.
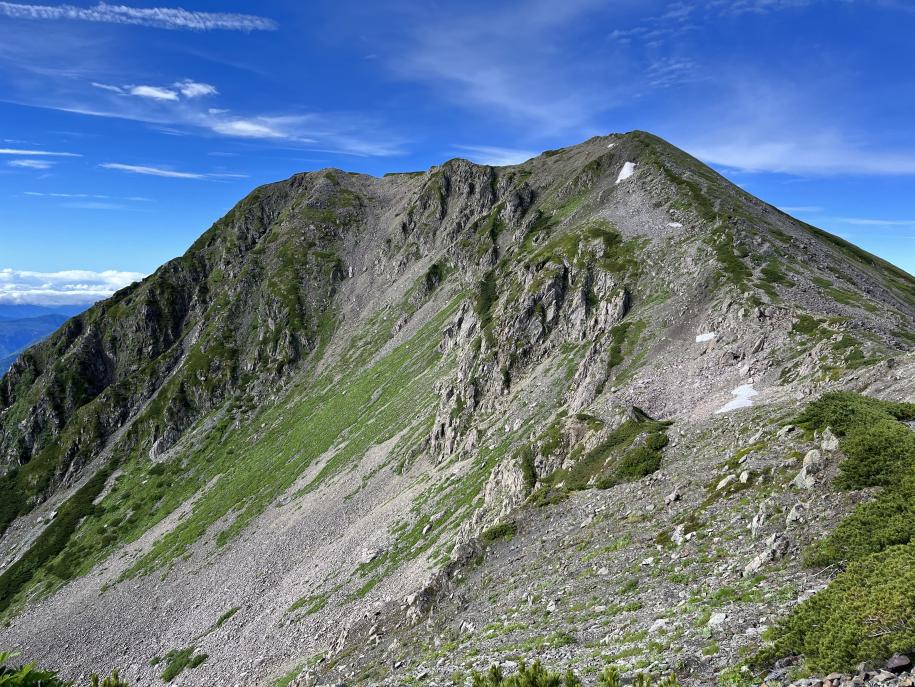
x=149, y=170
x=155, y=17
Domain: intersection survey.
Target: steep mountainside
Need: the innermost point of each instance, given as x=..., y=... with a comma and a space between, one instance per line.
x=384, y=428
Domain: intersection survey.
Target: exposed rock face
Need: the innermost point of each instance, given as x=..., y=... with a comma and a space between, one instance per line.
x=344, y=398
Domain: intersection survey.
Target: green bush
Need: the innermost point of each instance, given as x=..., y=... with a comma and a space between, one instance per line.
x=877, y=454
x=638, y=463
x=657, y=441
x=872, y=527
x=536, y=675
x=610, y=677
x=505, y=530
x=844, y=410
x=865, y=613
x=30, y=675
x=177, y=660
x=53, y=539
x=485, y=297
x=633, y=464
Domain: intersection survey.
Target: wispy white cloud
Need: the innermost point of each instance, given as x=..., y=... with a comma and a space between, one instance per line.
x=246, y=128
x=41, y=194
x=762, y=6
x=187, y=88
x=670, y=71
x=195, y=89
x=92, y=205
x=108, y=87
x=504, y=61
x=494, y=155
x=31, y=164
x=154, y=92
x=803, y=209
x=61, y=288
x=36, y=153
x=823, y=153
x=152, y=171
x=767, y=124
x=339, y=132
x=156, y=17
x=874, y=222
x=149, y=170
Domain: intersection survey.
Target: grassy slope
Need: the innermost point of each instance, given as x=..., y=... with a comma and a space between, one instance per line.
x=348, y=409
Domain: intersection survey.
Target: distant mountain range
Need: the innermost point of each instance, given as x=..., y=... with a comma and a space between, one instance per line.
x=10, y=311
x=23, y=325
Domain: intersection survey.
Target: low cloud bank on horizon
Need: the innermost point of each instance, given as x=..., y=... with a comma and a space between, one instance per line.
x=68, y=287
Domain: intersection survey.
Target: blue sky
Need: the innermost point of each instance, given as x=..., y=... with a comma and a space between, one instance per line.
x=125, y=131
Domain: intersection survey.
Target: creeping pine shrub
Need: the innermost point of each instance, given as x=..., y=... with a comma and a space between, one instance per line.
x=177, y=660
x=865, y=613
x=610, y=677
x=877, y=454
x=637, y=463
x=505, y=530
x=30, y=675
x=634, y=462
x=536, y=675
x=52, y=539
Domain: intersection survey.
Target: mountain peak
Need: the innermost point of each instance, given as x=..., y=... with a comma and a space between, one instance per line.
x=363, y=383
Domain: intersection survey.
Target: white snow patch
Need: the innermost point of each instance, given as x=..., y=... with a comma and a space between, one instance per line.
x=675, y=225
x=611, y=145
x=742, y=396
x=627, y=171
x=707, y=336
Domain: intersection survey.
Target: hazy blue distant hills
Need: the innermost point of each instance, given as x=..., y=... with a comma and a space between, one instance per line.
x=10, y=311
x=7, y=363
x=17, y=335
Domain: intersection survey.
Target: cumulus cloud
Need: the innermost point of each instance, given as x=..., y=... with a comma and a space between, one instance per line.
x=155, y=17
x=69, y=287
